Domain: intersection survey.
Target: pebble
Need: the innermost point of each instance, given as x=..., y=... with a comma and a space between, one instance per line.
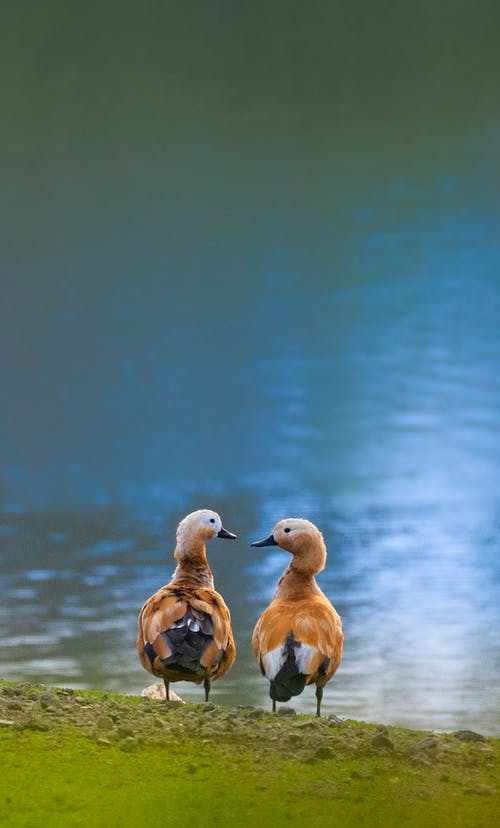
x=381, y=740
x=287, y=711
x=362, y=773
x=128, y=743
x=481, y=790
x=421, y=758
x=157, y=691
x=104, y=722
x=171, y=705
x=324, y=753
x=255, y=713
x=124, y=733
x=6, y=723
x=428, y=742
x=468, y=736
x=33, y=724
x=50, y=702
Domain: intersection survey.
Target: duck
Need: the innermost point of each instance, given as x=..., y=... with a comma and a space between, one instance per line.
x=298, y=639
x=185, y=627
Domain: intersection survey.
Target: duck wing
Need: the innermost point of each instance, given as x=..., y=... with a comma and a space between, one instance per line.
x=185, y=633
x=306, y=633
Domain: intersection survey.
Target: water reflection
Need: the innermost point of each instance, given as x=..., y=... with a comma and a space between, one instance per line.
x=253, y=265
x=417, y=605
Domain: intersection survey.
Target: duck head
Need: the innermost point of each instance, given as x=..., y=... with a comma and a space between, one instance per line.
x=198, y=528
x=302, y=539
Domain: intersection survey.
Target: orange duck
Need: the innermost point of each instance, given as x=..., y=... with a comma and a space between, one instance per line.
x=185, y=628
x=298, y=638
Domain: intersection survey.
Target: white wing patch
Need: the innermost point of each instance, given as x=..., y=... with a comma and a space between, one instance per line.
x=303, y=656
x=273, y=660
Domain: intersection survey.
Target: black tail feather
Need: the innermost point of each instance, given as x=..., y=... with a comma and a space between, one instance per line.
x=187, y=640
x=288, y=681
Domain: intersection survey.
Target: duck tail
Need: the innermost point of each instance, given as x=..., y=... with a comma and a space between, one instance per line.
x=288, y=681
x=187, y=640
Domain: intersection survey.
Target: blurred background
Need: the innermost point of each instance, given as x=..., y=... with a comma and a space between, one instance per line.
x=250, y=261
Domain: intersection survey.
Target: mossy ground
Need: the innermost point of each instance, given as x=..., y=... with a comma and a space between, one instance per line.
x=94, y=759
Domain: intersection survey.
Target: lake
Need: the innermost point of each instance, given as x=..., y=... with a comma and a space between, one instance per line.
x=250, y=261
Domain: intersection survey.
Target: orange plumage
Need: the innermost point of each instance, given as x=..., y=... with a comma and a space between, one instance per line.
x=185, y=627
x=298, y=639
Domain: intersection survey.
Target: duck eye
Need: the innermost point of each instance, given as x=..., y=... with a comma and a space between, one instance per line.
x=212, y=520
x=287, y=530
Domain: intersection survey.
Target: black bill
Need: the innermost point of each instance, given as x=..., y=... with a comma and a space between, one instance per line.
x=225, y=534
x=266, y=542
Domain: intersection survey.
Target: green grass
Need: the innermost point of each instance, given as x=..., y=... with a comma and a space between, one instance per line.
x=103, y=760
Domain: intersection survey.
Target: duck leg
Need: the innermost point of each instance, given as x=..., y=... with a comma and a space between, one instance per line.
x=206, y=685
x=274, y=705
x=319, y=696
x=167, y=686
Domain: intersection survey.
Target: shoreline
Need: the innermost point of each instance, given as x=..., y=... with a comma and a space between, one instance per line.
x=118, y=757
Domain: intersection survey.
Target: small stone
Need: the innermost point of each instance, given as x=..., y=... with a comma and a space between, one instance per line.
x=332, y=719
x=309, y=760
x=324, y=753
x=157, y=691
x=468, y=736
x=32, y=724
x=128, y=743
x=6, y=723
x=255, y=713
x=381, y=740
x=428, y=742
x=50, y=702
x=287, y=711
x=103, y=741
x=421, y=758
x=481, y=790
x=124, y=732
x=104, y=722
x=362, y=773
x=172, y=705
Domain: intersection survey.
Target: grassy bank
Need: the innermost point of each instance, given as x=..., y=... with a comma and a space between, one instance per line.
x=94, y=759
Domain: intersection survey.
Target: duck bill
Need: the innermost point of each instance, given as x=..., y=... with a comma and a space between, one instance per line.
x=270, y=541
x=225, y=534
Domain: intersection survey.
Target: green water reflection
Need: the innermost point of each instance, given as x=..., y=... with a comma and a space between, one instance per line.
x=250, y=260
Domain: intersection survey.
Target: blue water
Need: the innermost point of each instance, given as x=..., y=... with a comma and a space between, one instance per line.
x=271, y=287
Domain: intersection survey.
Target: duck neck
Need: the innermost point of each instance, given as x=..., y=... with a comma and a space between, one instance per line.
x=192, y=564
x=295, y=582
